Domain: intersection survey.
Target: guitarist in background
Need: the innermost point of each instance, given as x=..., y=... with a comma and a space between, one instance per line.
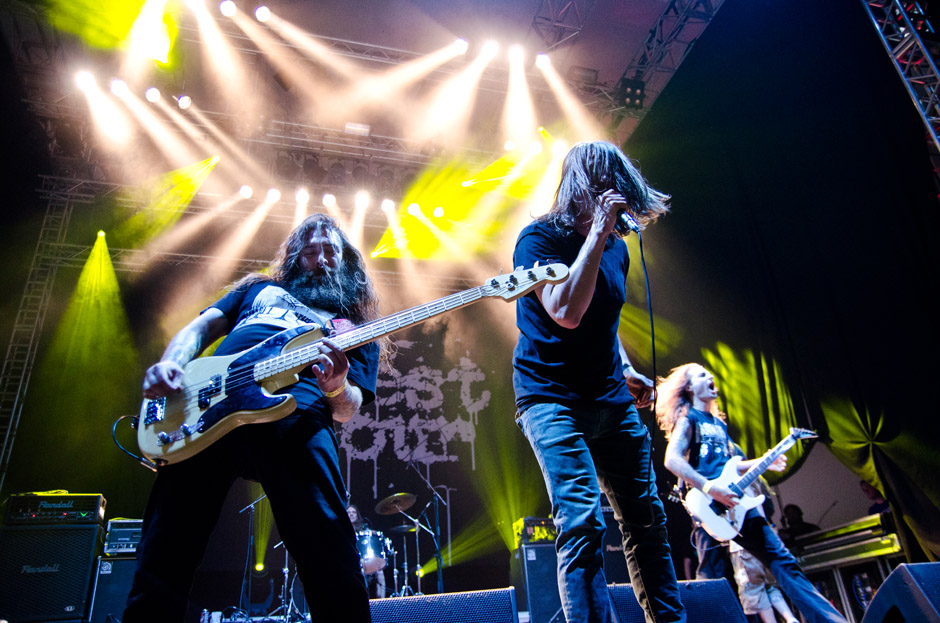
x=572, y=381
x=699, y=446
x=317, y=277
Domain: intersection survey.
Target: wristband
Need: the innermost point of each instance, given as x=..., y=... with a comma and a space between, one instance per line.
x=337, y=392
x=707, y=486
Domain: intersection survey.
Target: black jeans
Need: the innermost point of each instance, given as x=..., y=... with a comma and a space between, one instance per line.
x=296, y=460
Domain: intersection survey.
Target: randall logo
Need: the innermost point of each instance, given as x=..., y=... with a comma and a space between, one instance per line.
x=64, y=504
x=43, y=569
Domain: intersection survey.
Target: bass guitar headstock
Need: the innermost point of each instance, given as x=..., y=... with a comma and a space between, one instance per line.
x=518, y=283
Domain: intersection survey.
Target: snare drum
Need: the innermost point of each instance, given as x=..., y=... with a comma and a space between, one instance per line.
x=372, y=550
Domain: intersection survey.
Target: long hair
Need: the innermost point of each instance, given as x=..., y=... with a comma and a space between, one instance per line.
x=590, y=169
x=361, y=305
x=674, y=397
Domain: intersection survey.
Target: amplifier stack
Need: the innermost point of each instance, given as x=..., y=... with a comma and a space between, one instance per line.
x=47, y=553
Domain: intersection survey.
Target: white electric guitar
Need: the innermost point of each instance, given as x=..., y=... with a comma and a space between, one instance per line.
x=224, y=392
x=717, y=519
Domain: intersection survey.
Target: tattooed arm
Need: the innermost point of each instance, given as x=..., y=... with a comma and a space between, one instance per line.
x=166, y=375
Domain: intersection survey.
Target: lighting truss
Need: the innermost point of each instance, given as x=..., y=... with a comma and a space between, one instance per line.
x=560, y=21
x=901, y=27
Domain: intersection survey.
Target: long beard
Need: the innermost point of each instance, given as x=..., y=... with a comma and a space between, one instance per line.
x=332, y=291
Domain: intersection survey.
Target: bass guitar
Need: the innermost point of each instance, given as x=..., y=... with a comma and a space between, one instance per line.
x=224, y=392
x=725, y=523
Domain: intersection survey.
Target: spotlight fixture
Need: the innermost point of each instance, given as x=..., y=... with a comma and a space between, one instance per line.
x=274, y=195
x=542, y=61
x=246, y=192
x=516, y=53
x=329, y=200
x=388, y=205
x=302, y=196
x=152, y=94
x=414, y=209
x=85, y=80
x=359, y=129
x=262, y=13
x=438, y=212
x=119, y=87
x=227, y=8
x=461, y=46
x=489, y=50
x=362, y=199
x=184, y=101
x=630, y=93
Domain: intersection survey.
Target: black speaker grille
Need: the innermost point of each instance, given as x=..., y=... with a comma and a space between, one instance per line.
x=705, y=601
x=492, y=606
x=45, y=572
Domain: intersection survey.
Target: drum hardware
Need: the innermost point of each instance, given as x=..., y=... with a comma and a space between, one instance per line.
x=284, y=608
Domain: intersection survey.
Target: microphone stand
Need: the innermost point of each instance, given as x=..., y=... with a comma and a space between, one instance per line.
x=437, y=500
x=246, y=578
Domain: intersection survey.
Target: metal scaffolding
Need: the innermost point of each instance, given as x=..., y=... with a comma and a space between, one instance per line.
x=911, y=41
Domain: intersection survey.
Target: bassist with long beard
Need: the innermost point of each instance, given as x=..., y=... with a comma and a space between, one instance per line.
x=318, y=277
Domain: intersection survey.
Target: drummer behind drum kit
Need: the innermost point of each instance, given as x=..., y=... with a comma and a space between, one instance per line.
x=375, y=550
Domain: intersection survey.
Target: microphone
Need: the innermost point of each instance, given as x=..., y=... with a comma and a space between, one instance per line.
x=626, y=224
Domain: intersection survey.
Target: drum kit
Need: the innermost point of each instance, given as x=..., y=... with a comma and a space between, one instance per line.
x=375, y=550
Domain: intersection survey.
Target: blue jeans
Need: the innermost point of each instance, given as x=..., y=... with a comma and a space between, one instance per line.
x=759, y=539
x=584, y=451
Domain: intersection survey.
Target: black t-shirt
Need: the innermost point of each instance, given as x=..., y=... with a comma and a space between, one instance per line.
x=570, y=366
x=711, y=448
x=258, y=311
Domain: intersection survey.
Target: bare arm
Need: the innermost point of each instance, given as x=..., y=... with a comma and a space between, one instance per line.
x=567, y=302
x=641, y=387
x=166, y=375
x=331, y=370
x=676, y=462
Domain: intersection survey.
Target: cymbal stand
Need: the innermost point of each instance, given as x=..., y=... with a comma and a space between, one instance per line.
x=406, y=587
x=246, y=578
x=285, y=588
x=418, y=527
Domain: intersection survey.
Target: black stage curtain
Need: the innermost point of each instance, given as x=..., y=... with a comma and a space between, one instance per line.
x=801, y=240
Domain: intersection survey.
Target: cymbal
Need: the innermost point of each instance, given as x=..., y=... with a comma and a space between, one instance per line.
x=402, y=529
x=394, y=503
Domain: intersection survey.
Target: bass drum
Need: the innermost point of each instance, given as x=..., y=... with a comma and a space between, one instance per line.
x=298, y=602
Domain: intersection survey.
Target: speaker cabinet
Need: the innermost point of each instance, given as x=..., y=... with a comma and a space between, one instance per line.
x=615, y=565
x=112, y=584
x=492, y=606
x=533, y=573
x=705, y=601
x=45, y=571
x=910, y=594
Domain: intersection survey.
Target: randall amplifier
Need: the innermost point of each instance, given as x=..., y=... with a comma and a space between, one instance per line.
x=45, y=571
x=55, y=508
x=123, y=536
